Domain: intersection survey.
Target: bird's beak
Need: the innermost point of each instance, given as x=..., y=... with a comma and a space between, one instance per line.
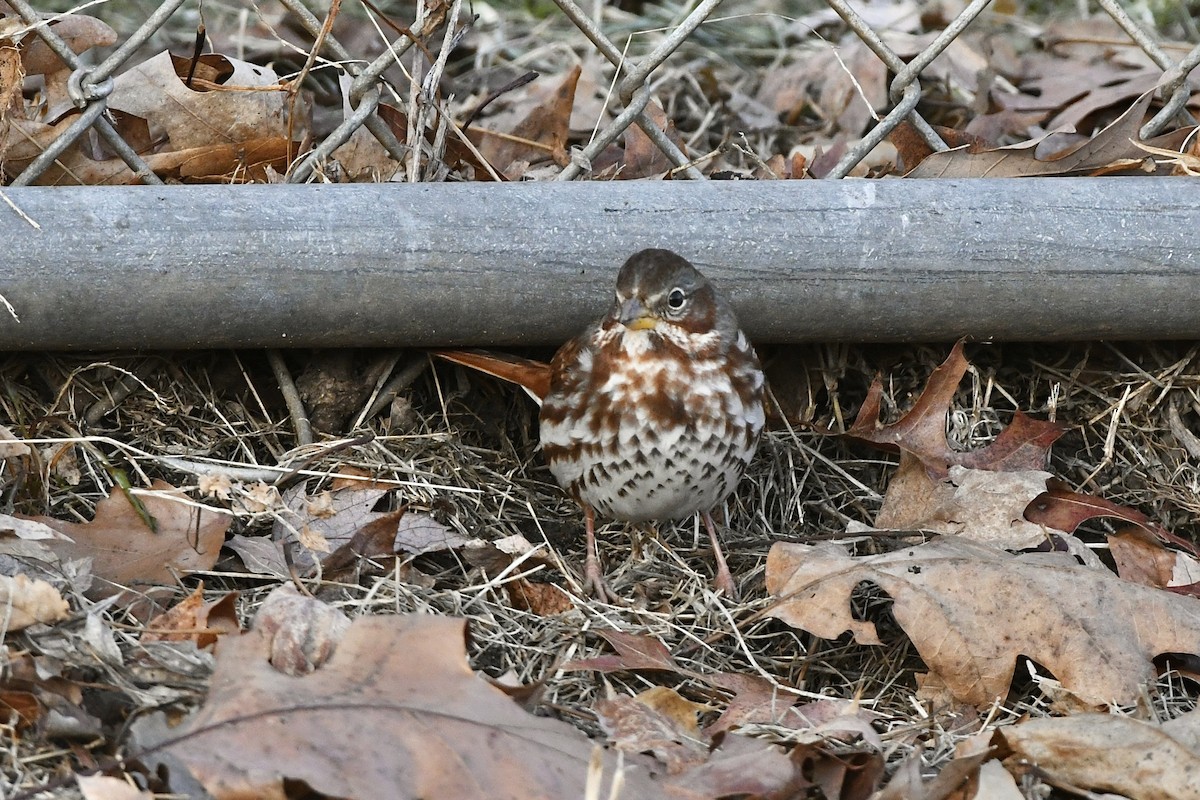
x=633, y=315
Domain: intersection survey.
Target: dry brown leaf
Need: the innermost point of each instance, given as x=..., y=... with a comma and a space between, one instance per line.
x=543, y=599
x=977, y=504
x=634, y=652
x=194, y=619
x=230, y=125
x=303, y=631
x=11, y=102
x=662, y=722
x=642, y=158
x=81, y=33
x=244, y=105
x=843, y=84
x=1061, y=509
x=741, y=767
x=396, y=712
x=341, y=524
x=540, y=136
x=1023, y=445
x=25, y=601
x=1141, y=561
x=420, y=533
x=28, y=529
x=954, y=781
x=124, y=552
x=362, y=157
x=20, y=707
x=971, y=611
x=844, y=776
x=261, y=555
x=1114, y=143
x=1106, y=753
x=659, y=721
x=758, y=701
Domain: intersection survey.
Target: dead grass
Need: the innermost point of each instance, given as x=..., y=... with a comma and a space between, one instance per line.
x=463, y=447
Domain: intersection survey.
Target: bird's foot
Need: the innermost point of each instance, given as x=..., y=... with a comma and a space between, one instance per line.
x=724, y=584
x=595, y=585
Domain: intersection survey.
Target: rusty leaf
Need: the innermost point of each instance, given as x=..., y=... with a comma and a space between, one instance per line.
x=1064, y=510
x=543, y=599
x=1023, y=445
x=642, y=158
x=194, y=619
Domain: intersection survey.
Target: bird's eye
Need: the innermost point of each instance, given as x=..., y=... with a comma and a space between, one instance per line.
x=676, y=299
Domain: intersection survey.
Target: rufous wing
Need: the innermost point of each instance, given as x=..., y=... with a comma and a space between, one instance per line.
x=532, y=376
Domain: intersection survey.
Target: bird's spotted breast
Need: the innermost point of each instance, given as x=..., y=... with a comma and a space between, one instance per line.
x=664, y=432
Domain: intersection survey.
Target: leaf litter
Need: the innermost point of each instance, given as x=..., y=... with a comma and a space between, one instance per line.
x=731, y=698
x=979, y=634
x=755, y=95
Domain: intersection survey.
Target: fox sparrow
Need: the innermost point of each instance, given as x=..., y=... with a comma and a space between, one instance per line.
x=653, y=412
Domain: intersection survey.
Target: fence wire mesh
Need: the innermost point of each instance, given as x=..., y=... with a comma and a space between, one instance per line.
x=418, y=138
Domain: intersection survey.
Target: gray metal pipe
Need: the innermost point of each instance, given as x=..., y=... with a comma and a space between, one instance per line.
x=529, y=263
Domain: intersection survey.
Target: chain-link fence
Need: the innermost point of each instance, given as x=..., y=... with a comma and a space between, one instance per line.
x=89, y=86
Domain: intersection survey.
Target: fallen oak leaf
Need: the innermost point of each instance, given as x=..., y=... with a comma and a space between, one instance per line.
x=395, y=712
x=759, y=701
x=980, y=493
x=972, y=610
x=419, y=533
x=976, y=504
x=125, y=552
x=641, y=157
x=336, y=526
x=658, y=721
x=1022, y=445
x=661, y=721
x=908, y=784
x=541, y=136
x=243, y=102
x=1108, y=753
x=1142, y=559
x=1062, y=509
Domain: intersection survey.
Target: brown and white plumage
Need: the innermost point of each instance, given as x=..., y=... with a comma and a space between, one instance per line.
x=654, y=410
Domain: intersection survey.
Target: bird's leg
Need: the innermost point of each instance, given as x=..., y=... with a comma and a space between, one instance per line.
x=724, y=581
x=593, y=582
